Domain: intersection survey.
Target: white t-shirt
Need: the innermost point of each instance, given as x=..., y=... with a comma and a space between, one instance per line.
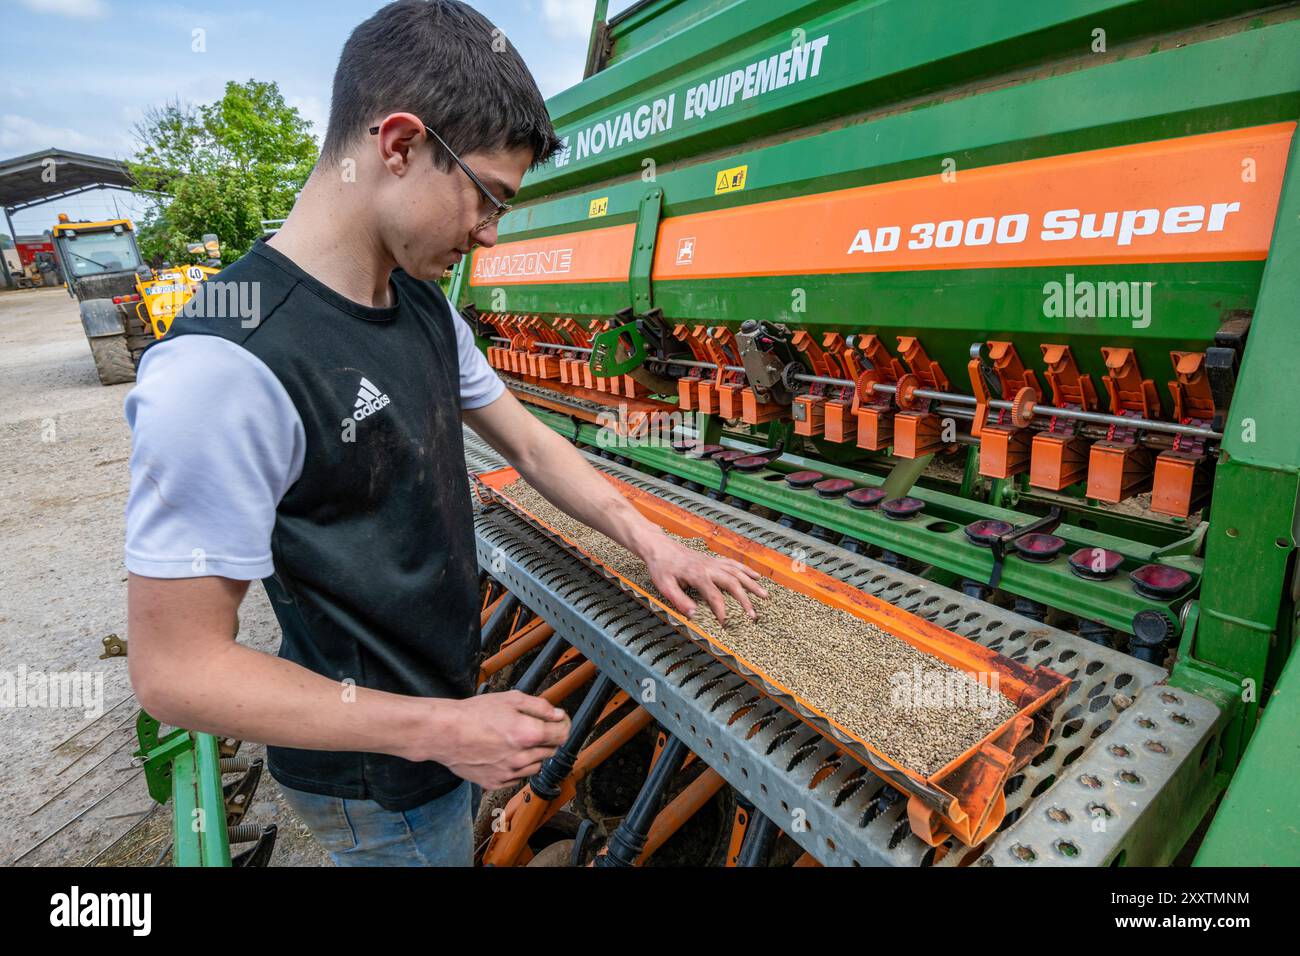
x=216, y=443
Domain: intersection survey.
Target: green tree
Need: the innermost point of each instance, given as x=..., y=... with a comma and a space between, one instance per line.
x=220, y=168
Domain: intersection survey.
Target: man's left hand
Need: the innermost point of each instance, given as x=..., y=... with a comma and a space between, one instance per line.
x=674, y=567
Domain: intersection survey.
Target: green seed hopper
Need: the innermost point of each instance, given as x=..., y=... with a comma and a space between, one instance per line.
x=1030, y=265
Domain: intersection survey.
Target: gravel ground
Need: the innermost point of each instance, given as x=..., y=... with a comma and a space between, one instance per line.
x=63, y=478
x=847, y=668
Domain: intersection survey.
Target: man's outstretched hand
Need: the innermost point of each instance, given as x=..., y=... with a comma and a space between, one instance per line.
x=674, y=567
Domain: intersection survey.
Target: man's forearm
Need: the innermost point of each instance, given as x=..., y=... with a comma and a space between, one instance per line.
x=560, y=472
x=187, y=671
x=238, y=692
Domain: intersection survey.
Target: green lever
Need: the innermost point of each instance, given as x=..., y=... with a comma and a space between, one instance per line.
x=617, y=351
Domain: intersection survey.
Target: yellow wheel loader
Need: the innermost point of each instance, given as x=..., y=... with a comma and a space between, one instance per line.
x=125, y=305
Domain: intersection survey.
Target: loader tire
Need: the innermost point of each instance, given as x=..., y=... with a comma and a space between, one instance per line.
x=138, y=335
x=113, y=359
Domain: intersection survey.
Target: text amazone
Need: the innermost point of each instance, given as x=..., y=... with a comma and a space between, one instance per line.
x=510, y=265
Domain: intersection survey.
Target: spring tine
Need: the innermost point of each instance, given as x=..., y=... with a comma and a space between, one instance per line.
x=162, y=856
x=115, y=729
x=92, y=723
x=43, y=840
x=145, y=817
x=73, y=783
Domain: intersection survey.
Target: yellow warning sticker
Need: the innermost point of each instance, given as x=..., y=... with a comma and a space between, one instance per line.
x=598, y=207
x=730, y=180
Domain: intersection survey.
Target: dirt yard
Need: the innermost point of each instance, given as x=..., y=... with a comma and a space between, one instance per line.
x=63, y=482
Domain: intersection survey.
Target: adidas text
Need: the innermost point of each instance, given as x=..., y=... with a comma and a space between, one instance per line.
x=369, y=400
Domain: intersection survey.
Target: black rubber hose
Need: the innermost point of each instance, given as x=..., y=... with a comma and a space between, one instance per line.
x=760, y=836
x=542, y=665
x=629, y=839
x=494, y=631
x=555, y=768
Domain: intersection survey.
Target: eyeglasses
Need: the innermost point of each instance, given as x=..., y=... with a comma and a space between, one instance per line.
x=500, y=208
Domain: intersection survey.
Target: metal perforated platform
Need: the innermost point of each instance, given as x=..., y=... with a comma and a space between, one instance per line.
x=1121, y=753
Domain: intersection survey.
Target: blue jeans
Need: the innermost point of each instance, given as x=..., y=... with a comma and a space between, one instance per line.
x=362, y=833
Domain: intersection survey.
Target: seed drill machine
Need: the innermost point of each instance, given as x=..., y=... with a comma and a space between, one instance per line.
x=974, y=314
x=982, y=308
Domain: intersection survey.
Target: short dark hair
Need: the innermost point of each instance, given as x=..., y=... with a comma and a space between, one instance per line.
x=445, y=62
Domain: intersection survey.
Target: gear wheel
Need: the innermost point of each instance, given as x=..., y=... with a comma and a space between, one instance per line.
x=905, y=397
x=1022, y=407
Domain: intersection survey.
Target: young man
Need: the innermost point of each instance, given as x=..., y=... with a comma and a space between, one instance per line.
x=317, y=446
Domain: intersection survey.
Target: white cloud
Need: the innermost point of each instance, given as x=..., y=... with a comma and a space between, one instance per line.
x=21, y=134
x=313, y=109
x=145, y=87
x=568, y=18
x=556, y=77
x=201, y=15
x=68, y=8
x=95, y=205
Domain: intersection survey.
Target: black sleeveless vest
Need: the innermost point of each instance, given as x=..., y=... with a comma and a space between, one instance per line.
x=375, y=574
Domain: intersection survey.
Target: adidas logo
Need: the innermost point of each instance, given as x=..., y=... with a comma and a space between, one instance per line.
x=369, y=400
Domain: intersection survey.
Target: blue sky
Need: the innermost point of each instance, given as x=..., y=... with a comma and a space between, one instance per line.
x=78, y=74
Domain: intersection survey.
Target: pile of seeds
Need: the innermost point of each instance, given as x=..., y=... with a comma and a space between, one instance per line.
x=920, y=711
